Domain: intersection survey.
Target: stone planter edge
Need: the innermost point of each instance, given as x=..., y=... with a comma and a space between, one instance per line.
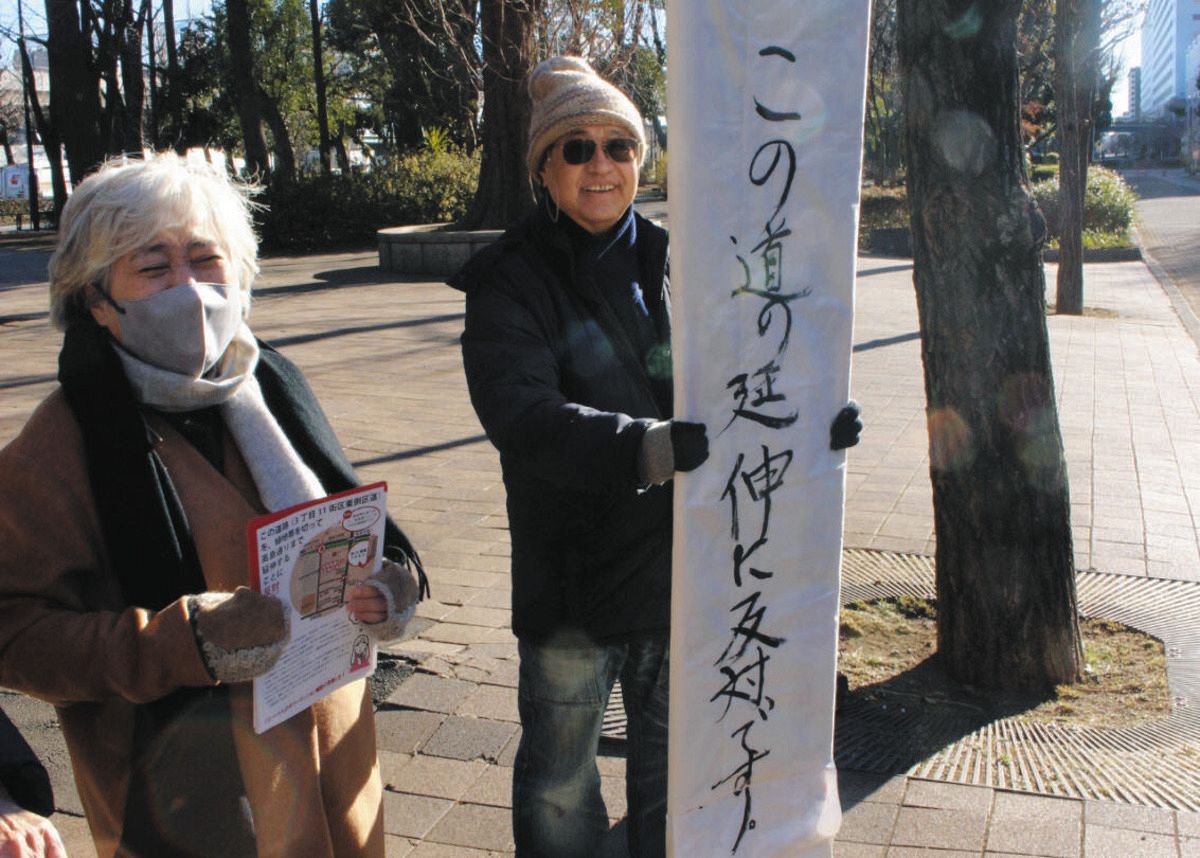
x=430, y=250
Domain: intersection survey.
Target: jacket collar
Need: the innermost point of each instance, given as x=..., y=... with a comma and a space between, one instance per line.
x=554, y=248
x=555, y=241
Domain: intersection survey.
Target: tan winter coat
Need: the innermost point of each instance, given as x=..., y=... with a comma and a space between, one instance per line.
x=65, y=637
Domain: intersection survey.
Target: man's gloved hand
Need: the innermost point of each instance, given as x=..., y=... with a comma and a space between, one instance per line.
x=385, y=602
x=669, y=446
x=240, y=634
x=690, y=444
x=846, y=428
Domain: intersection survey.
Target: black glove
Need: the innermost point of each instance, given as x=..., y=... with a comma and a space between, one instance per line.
x=669, y=446
x=690, y=443
x=846, y=428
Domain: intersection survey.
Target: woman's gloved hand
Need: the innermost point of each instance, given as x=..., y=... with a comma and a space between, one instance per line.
x=240, y=634
x=846, y=428
x=669, y=446
x=385, y=602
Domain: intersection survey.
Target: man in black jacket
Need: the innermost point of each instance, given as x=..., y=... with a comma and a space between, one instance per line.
x=567, y=352
x=567, y=355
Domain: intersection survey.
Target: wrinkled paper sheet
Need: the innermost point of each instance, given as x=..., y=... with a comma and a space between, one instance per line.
x=765, y=131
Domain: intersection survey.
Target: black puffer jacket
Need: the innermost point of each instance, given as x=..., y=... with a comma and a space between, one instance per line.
x=565, y=398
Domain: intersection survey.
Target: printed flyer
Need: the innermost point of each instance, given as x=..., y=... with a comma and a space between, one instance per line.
x=309, y=556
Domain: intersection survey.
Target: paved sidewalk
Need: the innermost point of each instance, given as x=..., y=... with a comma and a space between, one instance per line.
x=383, y=357
x=1128, y=382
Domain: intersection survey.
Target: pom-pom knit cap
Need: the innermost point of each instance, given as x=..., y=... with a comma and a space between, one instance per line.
x=566, y=93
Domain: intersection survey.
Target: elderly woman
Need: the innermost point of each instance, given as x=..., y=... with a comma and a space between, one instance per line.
x=567, y=351
x=123, y=511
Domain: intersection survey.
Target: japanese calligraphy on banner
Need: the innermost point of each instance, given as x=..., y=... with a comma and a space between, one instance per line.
x=766, y=114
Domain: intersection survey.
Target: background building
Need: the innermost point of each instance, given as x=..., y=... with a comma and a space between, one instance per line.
x=1135, y=93
x=1191, y=148
x=1167, y=31
x=1193, y=65
x=13, y=178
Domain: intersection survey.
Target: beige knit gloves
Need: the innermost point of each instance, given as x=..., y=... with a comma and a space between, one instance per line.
x=240, y=634
x=397, y=584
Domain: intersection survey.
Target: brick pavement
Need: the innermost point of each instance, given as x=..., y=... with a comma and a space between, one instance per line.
x=382, y=355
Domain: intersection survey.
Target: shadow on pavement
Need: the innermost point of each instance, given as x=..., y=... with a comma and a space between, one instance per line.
x=887, y=341
x=367, y=274
x=887, y=269
x=27, y=240
x=884, y=729
x=24, y=317
x=299, y=339
x=420, y=451
x=1152, y=186
x=26, y=381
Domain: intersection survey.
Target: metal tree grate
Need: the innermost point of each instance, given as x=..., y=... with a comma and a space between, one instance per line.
x=1154, y=764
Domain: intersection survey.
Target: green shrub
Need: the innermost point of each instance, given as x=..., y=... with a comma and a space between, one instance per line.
x=433, y=185
x=883, y=208
x=656, y=172
x=1107, y=203
x=1042, y=172
x=18, y=207
x=1093, y=240
x=914, y=608
x=1107, y=213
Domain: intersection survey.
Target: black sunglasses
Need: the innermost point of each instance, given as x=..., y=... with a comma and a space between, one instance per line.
x=580, y=150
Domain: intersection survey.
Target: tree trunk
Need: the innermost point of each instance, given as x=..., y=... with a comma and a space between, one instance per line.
x=1077, y=47
x=466, y=71
x=319, y=83
x=75, y=110
x=339, y=146
x=1005, y=572
x=504, y=193
x=35, y=219
x=51, y=144
x=128, y=30
x=155, y=111
x=172, y=104
x=285, y=158
x=168, y=7
x=245, y=88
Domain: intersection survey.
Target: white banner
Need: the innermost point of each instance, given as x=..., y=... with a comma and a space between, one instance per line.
x=765, y=131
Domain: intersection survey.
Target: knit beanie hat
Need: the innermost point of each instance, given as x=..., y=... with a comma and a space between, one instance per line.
x=567, y=94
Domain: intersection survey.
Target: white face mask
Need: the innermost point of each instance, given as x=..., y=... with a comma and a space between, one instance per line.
x=184, y=329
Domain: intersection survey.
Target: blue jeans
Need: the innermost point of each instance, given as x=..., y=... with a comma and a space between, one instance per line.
x=557, y=808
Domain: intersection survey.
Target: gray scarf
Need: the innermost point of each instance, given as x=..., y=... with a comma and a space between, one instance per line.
x=280, y=476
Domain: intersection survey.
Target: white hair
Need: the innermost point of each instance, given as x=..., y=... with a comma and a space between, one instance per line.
x=126, y=202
